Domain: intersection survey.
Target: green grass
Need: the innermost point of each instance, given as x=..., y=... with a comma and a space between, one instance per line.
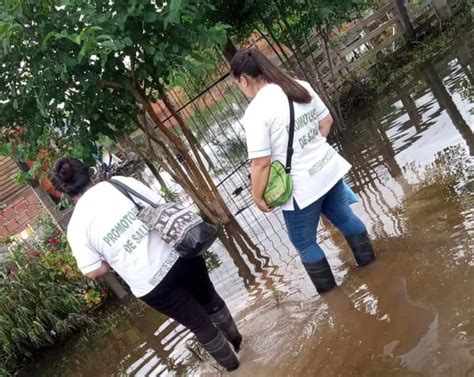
x=106, y=319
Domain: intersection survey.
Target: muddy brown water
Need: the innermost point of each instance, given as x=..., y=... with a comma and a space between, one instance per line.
x=411, y=313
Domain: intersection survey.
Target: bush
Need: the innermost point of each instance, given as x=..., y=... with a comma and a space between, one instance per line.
x=43, y=296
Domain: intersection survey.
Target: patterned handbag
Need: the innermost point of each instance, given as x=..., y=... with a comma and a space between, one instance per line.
x=183, y=229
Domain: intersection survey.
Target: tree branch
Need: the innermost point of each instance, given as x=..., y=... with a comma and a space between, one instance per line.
x=112, y=84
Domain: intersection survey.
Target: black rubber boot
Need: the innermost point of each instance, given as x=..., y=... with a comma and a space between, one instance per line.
x=221, y=351
x=321, y=275
x=362, y=248
x=225, y=323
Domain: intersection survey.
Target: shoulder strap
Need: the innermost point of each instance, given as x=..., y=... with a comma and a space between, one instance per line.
x=289, y=151
x=130, y=193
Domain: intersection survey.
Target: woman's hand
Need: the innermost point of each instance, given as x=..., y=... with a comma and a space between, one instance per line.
x=262, y=205
x=101, y=271
x=259, y=171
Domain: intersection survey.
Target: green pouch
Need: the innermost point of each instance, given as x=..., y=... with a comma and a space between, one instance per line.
x=279, y=188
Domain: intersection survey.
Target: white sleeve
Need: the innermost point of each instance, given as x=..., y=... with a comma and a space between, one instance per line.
x=87, y=258
x=321, y=109
x=140, y=188
x=257, y=133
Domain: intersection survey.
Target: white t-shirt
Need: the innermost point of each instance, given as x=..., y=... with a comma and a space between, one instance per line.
x=104, y=227
x=315, y=166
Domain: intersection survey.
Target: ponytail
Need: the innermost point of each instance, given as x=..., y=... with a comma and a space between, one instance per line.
x=253, y=63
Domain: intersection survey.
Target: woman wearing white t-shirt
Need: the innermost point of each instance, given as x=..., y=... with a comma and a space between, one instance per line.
x=104, y=232
x=316, y=168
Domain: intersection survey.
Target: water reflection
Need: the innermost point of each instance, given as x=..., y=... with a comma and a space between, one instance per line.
x=411, y=108
x=446, y=102
x=465, y=60
x=382, y=320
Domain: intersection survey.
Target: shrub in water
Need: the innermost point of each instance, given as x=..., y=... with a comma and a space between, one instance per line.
x=43, y=296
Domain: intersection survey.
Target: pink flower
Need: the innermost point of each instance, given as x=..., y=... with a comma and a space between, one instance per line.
x=54, y=241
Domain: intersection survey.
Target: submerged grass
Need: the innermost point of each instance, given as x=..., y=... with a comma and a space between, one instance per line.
x=107, y=319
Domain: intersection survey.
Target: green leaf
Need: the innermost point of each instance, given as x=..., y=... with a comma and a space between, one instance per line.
x=64, y=35
x=151, y=16
x=48, y=36
x=128, y=41
x=104, y=37
x=21, y=177
x=150, y=49
x=158, y=58
x=174, y=13
x=6, y=46
x=6, y=150
x=109, y=45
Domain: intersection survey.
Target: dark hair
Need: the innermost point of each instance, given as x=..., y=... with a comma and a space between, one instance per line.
x=70, y=176
x=253, y=63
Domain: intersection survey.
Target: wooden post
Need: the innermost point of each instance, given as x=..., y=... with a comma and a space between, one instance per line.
x=407, y=27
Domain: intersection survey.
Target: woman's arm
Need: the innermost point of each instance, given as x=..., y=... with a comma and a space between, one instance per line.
x=325, y=125
x=102, y=270
x=259, y=172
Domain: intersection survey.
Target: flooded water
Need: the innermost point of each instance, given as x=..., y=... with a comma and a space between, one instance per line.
x=411, y=313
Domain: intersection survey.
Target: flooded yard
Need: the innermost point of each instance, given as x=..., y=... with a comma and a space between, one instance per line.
x=411, y=313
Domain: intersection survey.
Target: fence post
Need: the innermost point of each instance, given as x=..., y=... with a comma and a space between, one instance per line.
x=443, y=9
x=407, y=27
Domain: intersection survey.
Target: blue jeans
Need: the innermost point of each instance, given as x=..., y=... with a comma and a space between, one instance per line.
x=302, y=224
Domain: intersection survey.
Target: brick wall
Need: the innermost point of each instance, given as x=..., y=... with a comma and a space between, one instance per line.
x=20, y=211
x=19, y=205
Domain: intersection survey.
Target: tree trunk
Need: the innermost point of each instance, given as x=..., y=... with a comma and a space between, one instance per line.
x=206, y=156
x=271, y=44
x=325, y=38
x=229, y=50
x=292, y=44
x=156, y=173
x=289, y=64
x=233, y=237
x=193, y=175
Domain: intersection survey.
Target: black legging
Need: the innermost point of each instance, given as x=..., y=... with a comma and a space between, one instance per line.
x=187, y=295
